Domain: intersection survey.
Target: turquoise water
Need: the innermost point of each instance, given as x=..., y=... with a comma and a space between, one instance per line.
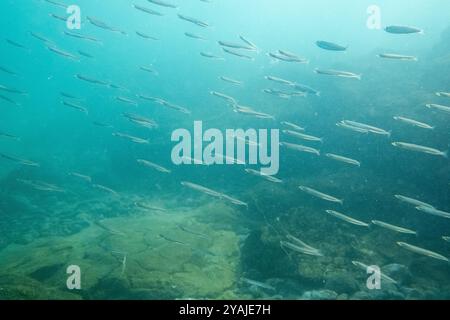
x=73, y=193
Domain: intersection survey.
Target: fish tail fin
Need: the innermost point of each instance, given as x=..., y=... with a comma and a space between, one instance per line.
x=445, y=154
x=318, y=94
x=359, y=76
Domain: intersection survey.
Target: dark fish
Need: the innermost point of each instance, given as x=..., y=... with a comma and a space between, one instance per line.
x=8, y=71
x=330, y=46
x=194, y=21
x=193, y=232
x=237, y=54
x=12, y=90
x=9, y=100
x=173, y=241
x=57, y=17
x=103, y=25
x=20, y=161
x=91, y=80
x=194, y=36
x=403, y=30
x=147, y=10
x=75, y=106
x=56, y=3
x=236, y=45
x=16, y=44
x=85, y=54
x=163, y=4
x=62, y=53
x=101, y=124
x=39, y=37
x=10, y=136
x=81, y=36
x=68, y=95
x=146, y=36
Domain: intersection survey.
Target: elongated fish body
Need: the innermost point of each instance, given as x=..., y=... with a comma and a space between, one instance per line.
x=10, y=136
x=438, y=107
x=103, y=25
x=41, y=186
x=4, y=98
x=302, y=136
x=106, y=189
x=419, y=148
x=330, y=46
x=367, y=127
x=320, y=195
x=224, y=97
x=279, y=80
x=434, y=211
x=443, y=94
x=257, y=284
x=146, y=36
x=285, y=58
x=81, y=176
x=412, y=201
x=346, y=126
x=365, y=267
x=394, y=56
x=194, y=36
x=131, y=138
x=232, y=81
x=267, y=177
x=210, y=55
x=126, y=101
x=237, y=54
x=194, y=21
x=306, y=89
x=8, y=71
x=343, y=159
x=147, y=10
x=153, y=165
x=149, y=70
x=12, y=90
x=413, y=122
x=346, y=218
x=301, y=243
x=163, y=4
x=91, y=80
x=403, y=30
x=248, y=42
x=300, y=249
x=301, y=148
x=24, y=162
x=81, y=36
x=422, y=251
x=75, y=106
x=338, y=73
x=293, y=126
x=393, y=227
x=236, y=46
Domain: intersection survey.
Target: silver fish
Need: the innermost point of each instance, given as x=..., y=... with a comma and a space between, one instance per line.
x=343, y=159
x=147, y=10
x=301, y=148
x=338, y=73
x=75, y=106
x=434, y=211
x=320, y=195
x=230, y=80
x=194, y=21
x=330, y=46
x=300, y=249
x=412, y=201
x=303, y=136
x=422, y=251
x=413, y=122
x=293, y=126
x=347, y=218
x=237, y=54
x=152, y=165
x=393, y=227
x=163, y=4
x=438, y=107
x=366, y=267
x=419, y=148
x=443, y=94
x=394, y=56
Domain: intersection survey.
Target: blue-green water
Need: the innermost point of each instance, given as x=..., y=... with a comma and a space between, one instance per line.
x=73, y=193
